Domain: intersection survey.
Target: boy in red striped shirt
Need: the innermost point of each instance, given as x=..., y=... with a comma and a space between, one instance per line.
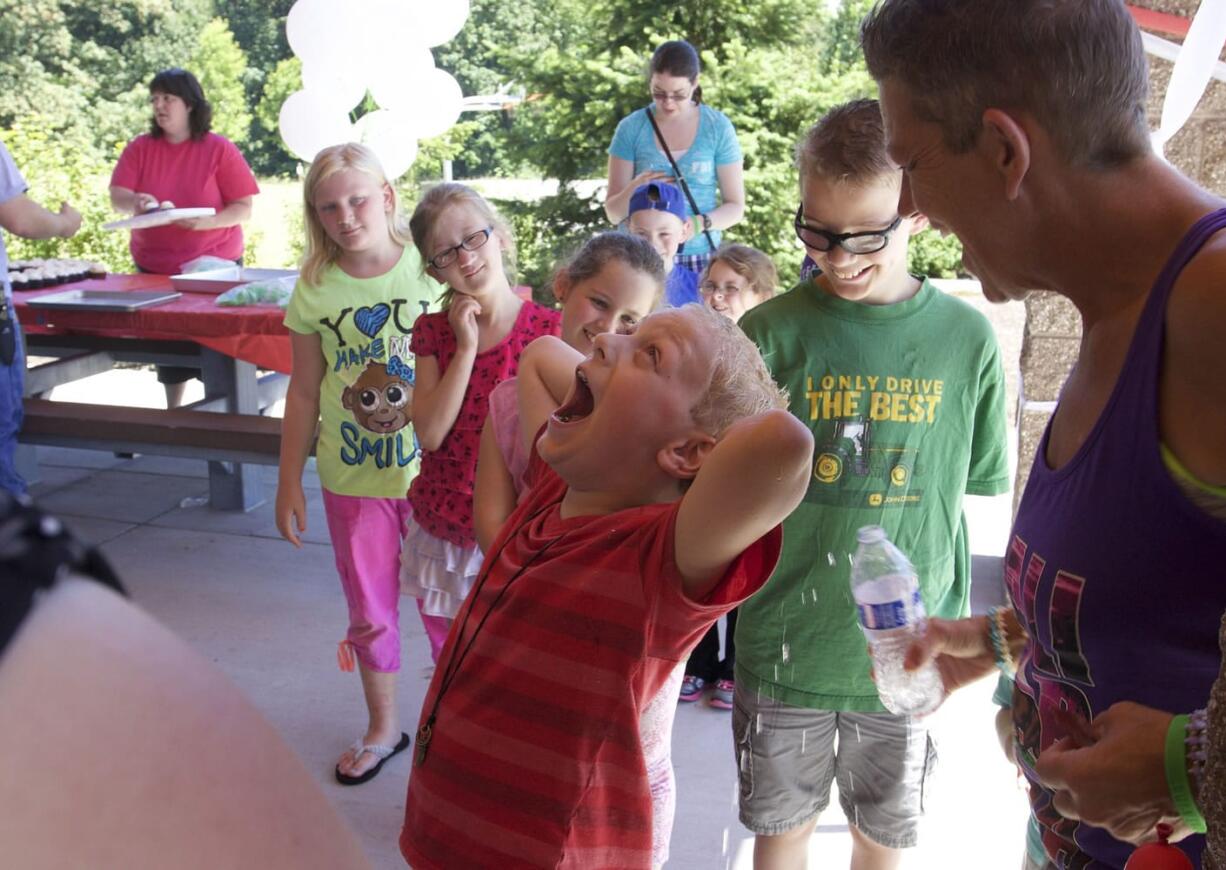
x=665, y=464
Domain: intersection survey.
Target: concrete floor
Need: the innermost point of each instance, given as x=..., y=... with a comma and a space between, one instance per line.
x=269, y=616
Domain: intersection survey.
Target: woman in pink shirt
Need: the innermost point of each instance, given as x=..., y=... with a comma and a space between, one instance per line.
x=179, y=162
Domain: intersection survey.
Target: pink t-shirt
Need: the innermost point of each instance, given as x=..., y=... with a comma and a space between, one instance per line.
x=504, y=416
x=209, y=173
x=442, y=494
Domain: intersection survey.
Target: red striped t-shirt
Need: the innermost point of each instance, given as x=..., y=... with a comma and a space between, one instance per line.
x=535, y=759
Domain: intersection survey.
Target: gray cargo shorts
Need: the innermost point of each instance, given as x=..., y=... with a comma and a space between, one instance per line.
x=787, y=758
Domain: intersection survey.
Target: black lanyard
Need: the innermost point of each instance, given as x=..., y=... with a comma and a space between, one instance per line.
x=426, y=731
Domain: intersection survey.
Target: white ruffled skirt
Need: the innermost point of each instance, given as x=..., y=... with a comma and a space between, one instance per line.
x=438, y=572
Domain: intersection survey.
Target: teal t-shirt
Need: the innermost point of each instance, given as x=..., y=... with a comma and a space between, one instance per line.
x=906, y=403
x=715, y=145
x=366, y=442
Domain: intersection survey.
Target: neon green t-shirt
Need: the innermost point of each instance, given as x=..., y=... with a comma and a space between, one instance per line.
x=906, y=403
x=366, y=442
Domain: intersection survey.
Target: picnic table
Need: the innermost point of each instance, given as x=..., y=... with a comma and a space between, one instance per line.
x=230, y=345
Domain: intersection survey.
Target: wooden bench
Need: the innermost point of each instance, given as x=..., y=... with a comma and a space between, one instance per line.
x=219, y=437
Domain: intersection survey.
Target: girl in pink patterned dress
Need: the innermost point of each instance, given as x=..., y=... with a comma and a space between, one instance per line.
x=462, y=353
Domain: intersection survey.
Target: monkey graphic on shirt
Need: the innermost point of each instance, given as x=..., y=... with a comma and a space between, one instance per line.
x=381, y=399
x=381, y=402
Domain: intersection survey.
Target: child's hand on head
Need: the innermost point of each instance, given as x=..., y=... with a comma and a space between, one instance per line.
x=462, y=315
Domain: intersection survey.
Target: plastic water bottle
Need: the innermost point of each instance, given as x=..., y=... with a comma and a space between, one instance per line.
x=886, y=591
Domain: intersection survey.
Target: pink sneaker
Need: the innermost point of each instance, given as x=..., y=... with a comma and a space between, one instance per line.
x=691, y=688
x=721, y=698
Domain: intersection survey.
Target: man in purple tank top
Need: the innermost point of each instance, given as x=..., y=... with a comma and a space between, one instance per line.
x=1025, y=134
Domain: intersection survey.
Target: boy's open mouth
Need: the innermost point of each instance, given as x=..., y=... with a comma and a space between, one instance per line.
x=578, y=404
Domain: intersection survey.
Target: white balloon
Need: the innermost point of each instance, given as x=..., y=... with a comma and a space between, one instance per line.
x=1193, y=69
x=391, y=135
x=396, y=74
x=440, y=20
x=434, y=102
x=308, y=125
x=309, y=28
x=341, y=89
x=421, y=22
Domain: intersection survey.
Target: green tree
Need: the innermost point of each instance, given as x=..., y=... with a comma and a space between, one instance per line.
x=259, y=29
x=759, y=69
x=283, y=80
x=221, y=65
x=89, y=64
x=80, y=180
x=475, y=58
x=773, y=66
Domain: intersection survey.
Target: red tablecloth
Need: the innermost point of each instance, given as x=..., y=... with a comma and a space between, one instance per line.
x=253, y=333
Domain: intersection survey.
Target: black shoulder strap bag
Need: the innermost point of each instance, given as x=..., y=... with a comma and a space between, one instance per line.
x=685, y=188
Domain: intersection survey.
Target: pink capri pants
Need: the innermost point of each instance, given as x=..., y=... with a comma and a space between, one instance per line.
x=366, y=539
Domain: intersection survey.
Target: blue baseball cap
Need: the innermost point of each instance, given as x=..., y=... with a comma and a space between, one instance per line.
x=659, y=196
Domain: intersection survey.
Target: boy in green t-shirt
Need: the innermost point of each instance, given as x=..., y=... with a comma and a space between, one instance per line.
x=903, y=390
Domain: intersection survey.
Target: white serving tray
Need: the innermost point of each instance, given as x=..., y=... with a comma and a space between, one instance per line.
x=158, y=217
x=221, y=280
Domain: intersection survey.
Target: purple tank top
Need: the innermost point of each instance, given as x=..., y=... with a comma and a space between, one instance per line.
x=1118, y=577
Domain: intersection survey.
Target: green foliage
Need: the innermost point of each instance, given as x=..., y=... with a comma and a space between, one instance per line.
x=88, y=65
x=221, y=65
x=74, y=78
x=472, y=57
x=935, y=256
x=428, y=166
x=259, y=28
x=266, y=152
x=547, y=230
x=81, y=181
x=706, y=25
x=772, y=66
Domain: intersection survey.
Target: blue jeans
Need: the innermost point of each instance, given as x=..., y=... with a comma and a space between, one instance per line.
x=12, y=384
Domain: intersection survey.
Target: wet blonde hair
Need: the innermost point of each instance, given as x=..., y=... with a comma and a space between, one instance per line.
x=847, y=146
x=437, y=200
x=321, y=251
x=741, y=386
x=751, y=264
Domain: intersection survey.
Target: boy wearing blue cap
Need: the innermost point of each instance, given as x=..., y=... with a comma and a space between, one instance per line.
x=658, y=214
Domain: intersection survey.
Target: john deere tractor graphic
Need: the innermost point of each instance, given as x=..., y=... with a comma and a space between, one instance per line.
x=849, y=451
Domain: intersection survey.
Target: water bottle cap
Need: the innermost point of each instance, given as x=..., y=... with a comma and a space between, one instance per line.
x=870, y=534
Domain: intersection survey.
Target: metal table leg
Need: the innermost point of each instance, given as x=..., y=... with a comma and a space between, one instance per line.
x=231, y=485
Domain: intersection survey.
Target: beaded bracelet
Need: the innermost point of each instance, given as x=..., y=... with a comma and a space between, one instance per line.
x=1196, y=741
x=1000, y=641
x=1177, y=781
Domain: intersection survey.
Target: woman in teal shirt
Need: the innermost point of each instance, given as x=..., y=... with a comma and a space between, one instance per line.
x=702, y=142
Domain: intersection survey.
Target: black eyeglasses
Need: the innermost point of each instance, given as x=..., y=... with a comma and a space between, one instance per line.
x=664, y=97
x=447, y=256
x=852, y=243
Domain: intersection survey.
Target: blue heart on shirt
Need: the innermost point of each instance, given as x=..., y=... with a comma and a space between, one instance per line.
x=370, y=320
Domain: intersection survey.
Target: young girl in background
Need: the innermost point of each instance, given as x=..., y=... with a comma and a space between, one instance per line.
x=360, y=290
x=737, y=279
x=462, y=353
x=609, y=285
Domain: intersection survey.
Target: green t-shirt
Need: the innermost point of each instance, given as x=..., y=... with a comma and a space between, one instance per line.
x=906, y=403
x=366, y=442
